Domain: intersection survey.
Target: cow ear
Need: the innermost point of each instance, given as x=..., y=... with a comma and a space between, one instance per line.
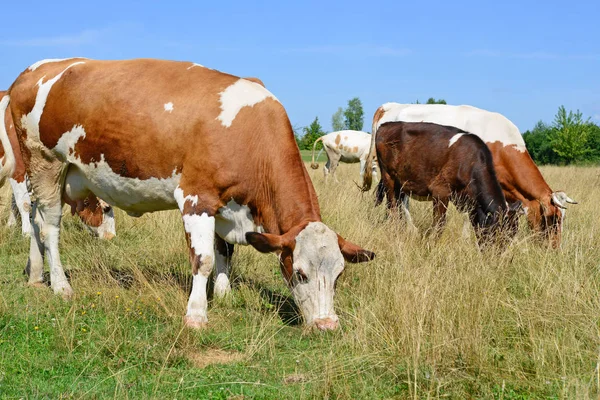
x=353, y=253
x=265, y=242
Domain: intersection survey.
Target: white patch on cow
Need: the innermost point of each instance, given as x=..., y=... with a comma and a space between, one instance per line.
x=317, y=255
x=31, y=121
x=196, y=65
x=234, y=221
x=66, y=143
x=199, y=228
x=36, y=65
x=169, y=107
x=222, y=285
x=197, y=303
x=23, y=203
x=181, y=199
x=242, y=93
x=454, y=138
x=489, y=126
x=135, y=196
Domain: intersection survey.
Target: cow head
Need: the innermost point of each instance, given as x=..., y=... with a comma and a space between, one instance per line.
x=312, y=258
x=97, y=215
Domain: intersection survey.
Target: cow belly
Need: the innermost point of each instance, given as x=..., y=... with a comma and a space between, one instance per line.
x=349, y=158
x=233, y=221
x=135, y=196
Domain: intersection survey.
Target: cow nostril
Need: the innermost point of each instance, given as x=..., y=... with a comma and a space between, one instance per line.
x=107, y=209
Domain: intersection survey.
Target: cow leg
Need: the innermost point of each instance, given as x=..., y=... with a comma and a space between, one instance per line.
x=35, y=264
x=14, y=212
x=404, y=199
x=440, y=208
x=22, y=203
x=47, y=222
x=223, y=254
x=334, y=164
x=199, y=224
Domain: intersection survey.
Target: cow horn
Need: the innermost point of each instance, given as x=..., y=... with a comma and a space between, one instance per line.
x=557, y=201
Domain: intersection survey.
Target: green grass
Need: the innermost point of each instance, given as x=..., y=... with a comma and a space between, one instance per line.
x=425, y=319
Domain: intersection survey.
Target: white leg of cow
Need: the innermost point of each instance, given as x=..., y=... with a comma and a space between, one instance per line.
x=47, y=218
x=35, y=264
x=200, y=232
x=405, y=210
x=23, y=204
x=223, y=254
x=14, y=211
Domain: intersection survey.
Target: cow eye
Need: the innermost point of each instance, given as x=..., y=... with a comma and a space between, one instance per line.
x=301, y=276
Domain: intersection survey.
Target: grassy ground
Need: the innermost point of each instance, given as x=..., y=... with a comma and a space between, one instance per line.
x=425, y=319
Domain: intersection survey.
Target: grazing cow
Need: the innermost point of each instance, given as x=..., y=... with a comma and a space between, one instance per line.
x=518, y=175
x=441, y=163
x=149, y=135
x=97, y=215
x=345, y=146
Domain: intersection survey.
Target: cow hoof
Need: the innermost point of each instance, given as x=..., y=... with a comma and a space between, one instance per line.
x=195, y=322
x=222, y=286
x=65, y=292
x=38, y=285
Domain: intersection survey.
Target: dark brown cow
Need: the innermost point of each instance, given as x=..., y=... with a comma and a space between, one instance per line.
x=440, y=163
x=97, y=215
x=518, y=175
x=149, y=135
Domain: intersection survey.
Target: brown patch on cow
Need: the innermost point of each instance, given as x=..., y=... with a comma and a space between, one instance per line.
x=355, y=149
x=338, y=139
x=211, y=356
x=89, y=210
x=19, y=172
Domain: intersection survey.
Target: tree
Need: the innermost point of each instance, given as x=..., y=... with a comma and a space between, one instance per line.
x=337, y=120
x=538, y=144
x=569, y=138
x=431, y=100
x=354, y=115
x=311, y=133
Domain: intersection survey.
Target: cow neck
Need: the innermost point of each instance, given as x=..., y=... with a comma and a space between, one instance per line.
x=286, y=197
x=531, y=184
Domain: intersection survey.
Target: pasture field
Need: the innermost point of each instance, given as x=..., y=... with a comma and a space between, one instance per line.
x=426, y=319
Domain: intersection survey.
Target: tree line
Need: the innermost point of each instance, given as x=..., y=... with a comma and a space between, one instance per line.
x=569, y=139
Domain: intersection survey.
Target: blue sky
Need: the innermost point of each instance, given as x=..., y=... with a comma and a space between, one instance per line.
x=521, y=58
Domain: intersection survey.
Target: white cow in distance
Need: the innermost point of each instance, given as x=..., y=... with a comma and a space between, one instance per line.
x=345, y=146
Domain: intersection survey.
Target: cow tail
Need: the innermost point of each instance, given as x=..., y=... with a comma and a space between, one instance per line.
x=313, y=164
x=8, y=168
x=368, y=176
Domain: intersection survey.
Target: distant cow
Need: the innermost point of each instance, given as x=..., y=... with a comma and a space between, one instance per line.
x=97, y=215
x=518, y=175
x=432, y=162
x=149, y=135
x=345, y=146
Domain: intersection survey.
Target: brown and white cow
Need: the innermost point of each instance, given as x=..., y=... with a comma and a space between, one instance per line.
x=346, y=146
x=518, y=175
x=441, y=163
x=149, y=135
x=96, y=214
